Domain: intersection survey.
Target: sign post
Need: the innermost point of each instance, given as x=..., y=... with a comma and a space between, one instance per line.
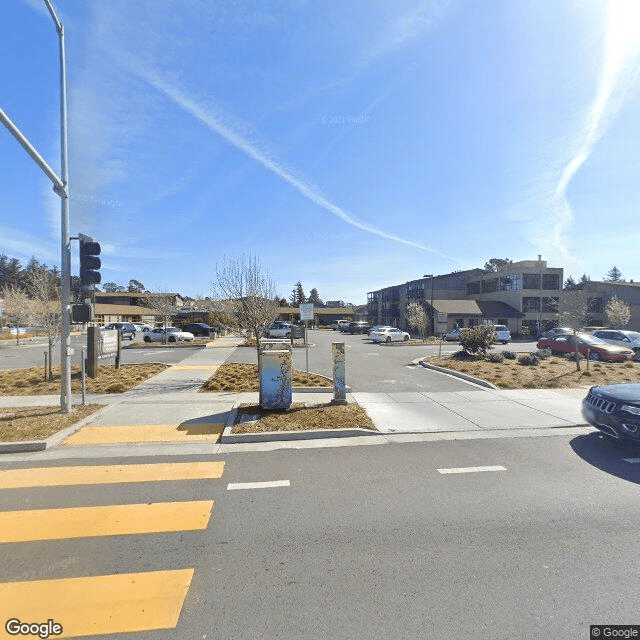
x=306, y=314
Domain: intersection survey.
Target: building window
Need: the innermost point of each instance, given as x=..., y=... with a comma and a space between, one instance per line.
x=551, y=281
x=530, y=305
x=530, y=280
x=511, y=283
x=473, y=288
x=595, y=305
x=489, y=286
x=550, y=305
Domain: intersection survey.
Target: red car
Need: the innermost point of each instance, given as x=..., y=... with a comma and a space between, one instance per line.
x=595, y=348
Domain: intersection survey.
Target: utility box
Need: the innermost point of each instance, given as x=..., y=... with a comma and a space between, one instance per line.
x=275, y=375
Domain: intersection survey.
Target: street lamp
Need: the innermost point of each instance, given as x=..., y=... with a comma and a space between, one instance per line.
x=61, y=188
x=430, y=275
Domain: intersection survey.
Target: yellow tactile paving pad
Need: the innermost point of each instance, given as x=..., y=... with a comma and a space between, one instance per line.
x=99, y=605
x=207, y=431
x=110, y=520
x=109, y=474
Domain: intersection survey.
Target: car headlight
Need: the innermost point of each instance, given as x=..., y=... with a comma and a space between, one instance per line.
x=630, y=409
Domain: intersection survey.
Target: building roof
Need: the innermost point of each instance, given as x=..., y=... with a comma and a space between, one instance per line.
x=497, y=309
x=123, y=310
x=457, y=307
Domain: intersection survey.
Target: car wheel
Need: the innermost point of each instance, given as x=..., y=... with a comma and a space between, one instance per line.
x=594, y=355
x=636, y=355
x=147, y=339
x=505, y=341
x=172, y=338
x=388, y=340
x=132, y=336
x=406, y=338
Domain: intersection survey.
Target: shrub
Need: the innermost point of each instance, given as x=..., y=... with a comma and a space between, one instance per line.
x=477, y=339
x=529, y=359
x=509, y=355
x=543, y=354
x=572, y=356
x=496, y=357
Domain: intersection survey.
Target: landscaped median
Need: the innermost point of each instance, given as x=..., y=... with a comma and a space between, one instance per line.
x=530, y=371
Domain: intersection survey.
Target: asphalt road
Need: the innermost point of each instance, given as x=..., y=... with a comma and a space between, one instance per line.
x=390, y=541
x=375, y=367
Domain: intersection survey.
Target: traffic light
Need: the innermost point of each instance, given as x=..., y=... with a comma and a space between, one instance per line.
x=89, y=262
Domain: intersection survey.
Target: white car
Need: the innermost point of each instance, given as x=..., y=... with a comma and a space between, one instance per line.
x=622, y=338
x=502, y=333
x=452, y=336
x=172, y=335
x=389, y=334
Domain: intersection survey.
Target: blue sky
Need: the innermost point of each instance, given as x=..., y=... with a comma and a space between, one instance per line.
x=349, y=145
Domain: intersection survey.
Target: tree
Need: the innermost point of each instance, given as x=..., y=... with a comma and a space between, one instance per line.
x=112, y=287
x=164, y=306
x=297, y=296
x=613, y=275
x=42, y=287
x=584, y=281
x=477, y=339
x=617, y=312
x=248, y=294
x=135, y=286
x=17, y=307
x=314, y=297
x=570, y=284
x=494, y=264
x=417, y=317
x=574, y=313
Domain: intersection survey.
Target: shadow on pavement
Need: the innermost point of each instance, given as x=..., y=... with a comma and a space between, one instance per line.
x=608, y=455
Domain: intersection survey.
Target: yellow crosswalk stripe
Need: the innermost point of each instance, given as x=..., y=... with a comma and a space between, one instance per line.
x=99, y=605
x=110, y=520
x=200, y=431
x=108, y=474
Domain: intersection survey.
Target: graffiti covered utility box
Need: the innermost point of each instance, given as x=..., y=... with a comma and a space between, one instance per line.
x=276, y=378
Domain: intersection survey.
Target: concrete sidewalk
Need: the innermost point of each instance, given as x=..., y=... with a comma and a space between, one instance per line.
x=168, y=409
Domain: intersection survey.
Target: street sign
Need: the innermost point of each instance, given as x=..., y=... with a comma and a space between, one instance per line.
x=306, y=311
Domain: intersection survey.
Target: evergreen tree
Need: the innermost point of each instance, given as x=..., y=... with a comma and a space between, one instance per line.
x=297, y=295
x=570, y=284
x=315, y=297
x=613, y=275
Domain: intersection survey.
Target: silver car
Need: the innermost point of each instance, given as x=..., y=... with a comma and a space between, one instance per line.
x=630, y=339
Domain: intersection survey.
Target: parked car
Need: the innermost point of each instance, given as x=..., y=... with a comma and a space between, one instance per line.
x=198, y=328
x=344, y=325
x=614, y=409
x=338, y=324
x=595, y=348
x=556, y=331
x=377, y=327
x=630, y=339
x=282, y=329
x=502, y=333
x=389, y=334
x=358, y=327
x=127, y=329
x=453, y=335
x=170, y=334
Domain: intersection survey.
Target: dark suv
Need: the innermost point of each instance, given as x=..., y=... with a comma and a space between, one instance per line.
x=198, y=329
x=127, y=330
x=359, y=327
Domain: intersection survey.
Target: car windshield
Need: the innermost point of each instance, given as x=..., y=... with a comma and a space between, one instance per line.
x=590, y=339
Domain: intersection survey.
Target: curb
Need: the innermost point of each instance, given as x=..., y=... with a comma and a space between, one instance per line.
x=29, y=446
x=457, y=374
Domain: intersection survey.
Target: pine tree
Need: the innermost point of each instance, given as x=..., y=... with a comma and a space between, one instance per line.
x=613, y=275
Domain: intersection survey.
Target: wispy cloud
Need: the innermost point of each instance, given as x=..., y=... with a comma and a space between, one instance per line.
x=205, y=114
x=15, y=242
x=620, y=63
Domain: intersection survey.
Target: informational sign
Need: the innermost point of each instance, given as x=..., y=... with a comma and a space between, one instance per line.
x=108, y=343
x=306, y=311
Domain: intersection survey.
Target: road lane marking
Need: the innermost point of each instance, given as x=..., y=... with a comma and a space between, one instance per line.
x=98, y=605
x=632, y=460
x=108, y=474
x=109, y=520
x=185, y=432
x=257, y=485
x=472, y=469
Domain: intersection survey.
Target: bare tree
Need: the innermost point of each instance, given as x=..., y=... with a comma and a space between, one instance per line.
x=574, y=313
x=417, y=317
x=247, y=293
x=17, y=308
x=617, y=312
x=163, y=306
x=43, y=289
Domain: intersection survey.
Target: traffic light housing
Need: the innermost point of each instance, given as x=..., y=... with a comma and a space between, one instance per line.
x=89, y=262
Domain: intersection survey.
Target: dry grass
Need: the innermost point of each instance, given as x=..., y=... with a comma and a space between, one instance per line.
x=244, y=377
x=302, y=417
x=550, y=373
x=38, y=423
x=30, y=382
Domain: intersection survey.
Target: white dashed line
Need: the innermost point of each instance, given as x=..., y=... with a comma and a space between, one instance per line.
x=257, y=485
x=472, y=469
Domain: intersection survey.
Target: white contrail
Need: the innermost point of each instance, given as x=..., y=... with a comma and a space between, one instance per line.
x=213, y=122
x=620, y=59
